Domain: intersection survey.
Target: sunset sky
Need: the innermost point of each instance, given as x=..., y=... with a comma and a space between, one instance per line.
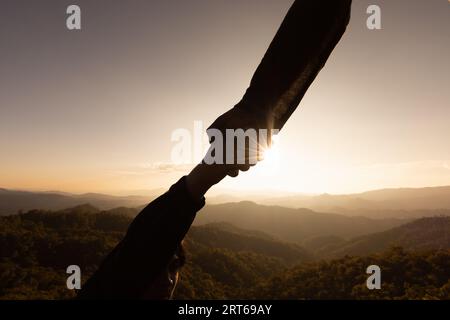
x=94, y=110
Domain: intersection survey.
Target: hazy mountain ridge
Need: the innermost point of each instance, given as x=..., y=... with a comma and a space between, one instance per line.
x=381, y=203
x=11, y=201
x=418, y=235
x=292, y=225
x=227, y=236
x=409, y=203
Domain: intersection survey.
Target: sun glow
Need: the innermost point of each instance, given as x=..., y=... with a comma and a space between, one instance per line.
x=271, y=158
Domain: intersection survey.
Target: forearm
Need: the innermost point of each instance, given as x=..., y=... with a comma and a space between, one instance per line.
x=147, y=248
x=299, y=50
x=203, y=177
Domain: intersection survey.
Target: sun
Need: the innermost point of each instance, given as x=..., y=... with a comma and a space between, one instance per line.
x=271, y=159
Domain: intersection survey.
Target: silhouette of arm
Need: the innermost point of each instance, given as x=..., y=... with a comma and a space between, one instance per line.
x=307, y=36
x=152, y=238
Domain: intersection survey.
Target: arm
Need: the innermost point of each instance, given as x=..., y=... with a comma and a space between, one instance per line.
x=152, y=238
x=307, y=36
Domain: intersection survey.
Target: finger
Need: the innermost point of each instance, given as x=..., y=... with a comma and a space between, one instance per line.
x=233, y=173
x=244, y=167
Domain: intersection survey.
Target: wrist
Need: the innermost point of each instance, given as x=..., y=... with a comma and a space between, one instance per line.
x=202, y=178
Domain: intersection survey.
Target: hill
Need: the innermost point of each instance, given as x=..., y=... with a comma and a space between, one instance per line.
x=227, y=236
x=419, y=235
x=37, y=246
x=293, y=225
x=385, y=203
x=404, y=275
x=402, y=203
x=224, y=261
x=12, y=201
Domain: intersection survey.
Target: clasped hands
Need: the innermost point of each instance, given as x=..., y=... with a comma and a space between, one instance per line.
x=209, y=173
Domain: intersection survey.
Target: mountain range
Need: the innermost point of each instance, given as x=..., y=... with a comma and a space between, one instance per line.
x=12, y=201
x=409, y=203
x=293, y=225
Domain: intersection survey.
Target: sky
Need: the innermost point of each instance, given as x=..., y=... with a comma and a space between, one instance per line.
x=93, y=110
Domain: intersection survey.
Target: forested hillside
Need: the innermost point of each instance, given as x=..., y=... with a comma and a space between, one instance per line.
x=223, y=261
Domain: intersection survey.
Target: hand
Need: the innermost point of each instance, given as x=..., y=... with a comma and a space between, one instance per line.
x=204, y=176
x=244, y=118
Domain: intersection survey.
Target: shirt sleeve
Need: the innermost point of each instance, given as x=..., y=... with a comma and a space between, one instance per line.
x=307, y=36
x=147, y=248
